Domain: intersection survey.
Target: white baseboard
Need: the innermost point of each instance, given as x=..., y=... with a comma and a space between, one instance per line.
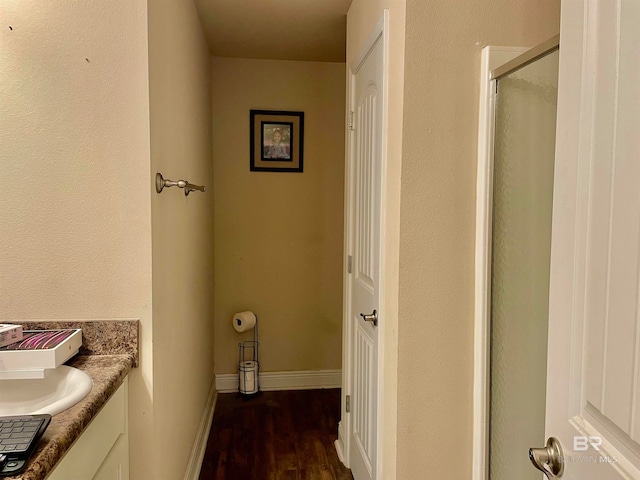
x=269, y=381
x=200, y=443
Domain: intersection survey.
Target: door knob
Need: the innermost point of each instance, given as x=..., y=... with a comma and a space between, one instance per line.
x=549, y=459
x=373, y=318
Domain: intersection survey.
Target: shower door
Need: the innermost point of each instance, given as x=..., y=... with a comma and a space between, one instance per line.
x=523, y=166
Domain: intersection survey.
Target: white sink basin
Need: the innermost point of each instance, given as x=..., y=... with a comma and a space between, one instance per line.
x=58, y=390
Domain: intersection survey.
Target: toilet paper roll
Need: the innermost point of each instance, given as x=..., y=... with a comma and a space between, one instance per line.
x=248, y=377
x=243, y=321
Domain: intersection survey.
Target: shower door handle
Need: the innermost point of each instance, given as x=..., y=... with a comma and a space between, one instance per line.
x=373, y=318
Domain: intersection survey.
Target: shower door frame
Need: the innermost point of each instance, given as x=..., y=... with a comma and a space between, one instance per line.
x=496, y=62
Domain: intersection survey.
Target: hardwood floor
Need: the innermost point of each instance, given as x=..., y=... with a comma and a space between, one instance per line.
x=286, y=435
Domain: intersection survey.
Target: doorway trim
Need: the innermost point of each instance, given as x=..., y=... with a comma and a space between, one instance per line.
x=380, y=33
x=496, y=62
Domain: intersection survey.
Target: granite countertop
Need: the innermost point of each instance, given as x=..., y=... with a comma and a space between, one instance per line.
x=107, y=372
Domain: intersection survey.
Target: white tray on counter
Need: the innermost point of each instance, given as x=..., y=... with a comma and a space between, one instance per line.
x=32, y=363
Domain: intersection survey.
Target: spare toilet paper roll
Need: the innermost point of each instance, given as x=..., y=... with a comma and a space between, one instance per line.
x=244, y=321
x=248, y=377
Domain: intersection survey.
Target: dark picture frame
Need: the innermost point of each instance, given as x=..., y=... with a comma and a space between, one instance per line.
x=276, y=141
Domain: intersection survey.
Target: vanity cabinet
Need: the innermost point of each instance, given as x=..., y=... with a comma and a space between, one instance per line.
x=102, y=450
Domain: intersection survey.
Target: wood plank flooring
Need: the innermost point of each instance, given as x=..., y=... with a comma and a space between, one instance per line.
x=286, y=435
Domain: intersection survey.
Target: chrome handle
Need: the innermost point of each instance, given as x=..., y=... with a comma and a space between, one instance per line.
x=373, y=318
x=550, y=459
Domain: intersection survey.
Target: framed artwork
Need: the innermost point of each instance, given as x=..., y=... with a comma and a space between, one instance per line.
x=276, y=141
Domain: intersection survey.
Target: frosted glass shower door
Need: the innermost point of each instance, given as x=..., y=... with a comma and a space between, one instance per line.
x=524, y=144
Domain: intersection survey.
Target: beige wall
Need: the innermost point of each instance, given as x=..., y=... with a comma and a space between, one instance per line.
x=180, y=112
x=278, y=240
x=74, y=149
x=361, y=20
x=444, y=39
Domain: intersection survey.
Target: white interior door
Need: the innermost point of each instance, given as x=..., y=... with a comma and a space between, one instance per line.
x=364, y=230
x=593, y=375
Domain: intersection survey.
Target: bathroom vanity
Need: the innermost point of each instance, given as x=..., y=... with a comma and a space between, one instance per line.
x=101, y=452
x=90, y=440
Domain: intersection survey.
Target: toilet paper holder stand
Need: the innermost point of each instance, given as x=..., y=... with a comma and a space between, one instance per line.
x=249, y=365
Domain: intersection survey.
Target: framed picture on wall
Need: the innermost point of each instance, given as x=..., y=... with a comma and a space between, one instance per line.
x=276, y=141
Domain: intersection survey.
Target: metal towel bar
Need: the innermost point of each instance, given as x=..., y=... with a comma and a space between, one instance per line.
x=188, y=187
